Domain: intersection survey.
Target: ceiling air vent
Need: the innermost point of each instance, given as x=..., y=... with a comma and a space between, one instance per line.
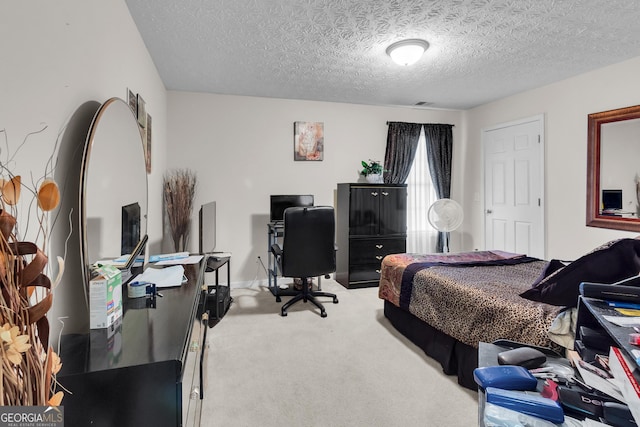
x=423, y=104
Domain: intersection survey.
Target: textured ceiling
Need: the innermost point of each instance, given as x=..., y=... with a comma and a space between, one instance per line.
x=334, y=50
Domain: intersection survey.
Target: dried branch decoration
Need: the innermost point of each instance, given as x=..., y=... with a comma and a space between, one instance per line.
x=179, y=192
x=28, y=364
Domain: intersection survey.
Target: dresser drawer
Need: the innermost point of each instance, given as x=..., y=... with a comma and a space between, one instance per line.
x=371, y=251
x=364, y=273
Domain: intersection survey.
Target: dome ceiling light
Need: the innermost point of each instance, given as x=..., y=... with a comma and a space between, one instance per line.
x=407, y=52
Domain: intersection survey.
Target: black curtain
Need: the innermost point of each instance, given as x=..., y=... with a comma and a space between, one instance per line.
x=402, y=142
x=439, y=153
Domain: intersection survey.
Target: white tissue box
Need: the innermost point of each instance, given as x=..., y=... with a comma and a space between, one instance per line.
x=105, y=296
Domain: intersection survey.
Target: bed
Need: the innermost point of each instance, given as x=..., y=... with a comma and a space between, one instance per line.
x=448, y=304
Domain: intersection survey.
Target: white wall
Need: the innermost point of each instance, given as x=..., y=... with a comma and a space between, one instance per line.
x=56, y=57
x=565, y=106
x=241, y=149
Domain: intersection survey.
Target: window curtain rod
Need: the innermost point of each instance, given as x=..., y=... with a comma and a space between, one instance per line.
x=442, y=124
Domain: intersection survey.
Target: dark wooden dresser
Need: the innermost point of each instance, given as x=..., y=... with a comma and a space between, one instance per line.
x=371, y=223
x=147, y=371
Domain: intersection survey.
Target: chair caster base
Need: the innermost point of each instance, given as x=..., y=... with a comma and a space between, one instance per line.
x=284, y=314
x=323, y=314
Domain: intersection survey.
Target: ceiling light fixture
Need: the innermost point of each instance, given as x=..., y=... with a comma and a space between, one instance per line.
x=407, y=52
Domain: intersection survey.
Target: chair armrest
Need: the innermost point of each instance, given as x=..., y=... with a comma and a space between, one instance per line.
x=276, y=250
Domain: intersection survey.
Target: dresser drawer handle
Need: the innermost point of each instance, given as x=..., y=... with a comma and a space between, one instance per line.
x=378, y=257
x=384, y=193
x=379, y=246
x=374, y=193
x=378, y=271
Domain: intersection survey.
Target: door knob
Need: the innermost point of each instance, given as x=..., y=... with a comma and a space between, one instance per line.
x=489, y=211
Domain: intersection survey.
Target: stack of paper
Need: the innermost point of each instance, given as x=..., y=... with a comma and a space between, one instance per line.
x=163, y=277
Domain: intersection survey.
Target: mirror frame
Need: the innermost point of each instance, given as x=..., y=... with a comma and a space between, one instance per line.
x=84, y=173
x=595, y=121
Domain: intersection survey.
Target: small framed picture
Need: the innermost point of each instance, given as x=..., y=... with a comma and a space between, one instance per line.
x=308, y=141
x=147, y=146
x=133, y=101
x=142, y=112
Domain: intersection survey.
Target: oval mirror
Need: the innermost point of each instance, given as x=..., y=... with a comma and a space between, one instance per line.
x=113, y=196
x=613, y=170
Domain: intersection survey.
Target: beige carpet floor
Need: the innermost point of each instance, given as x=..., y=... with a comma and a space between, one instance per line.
x=351, y=368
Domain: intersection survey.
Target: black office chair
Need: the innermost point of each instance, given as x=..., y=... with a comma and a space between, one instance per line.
x=308, y=250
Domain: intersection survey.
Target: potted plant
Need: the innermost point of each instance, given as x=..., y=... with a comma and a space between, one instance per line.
x=372, y=171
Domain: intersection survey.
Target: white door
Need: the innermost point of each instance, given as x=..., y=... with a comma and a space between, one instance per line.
x=514, y=185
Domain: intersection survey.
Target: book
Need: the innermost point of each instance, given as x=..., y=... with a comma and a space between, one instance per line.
x=627, y=376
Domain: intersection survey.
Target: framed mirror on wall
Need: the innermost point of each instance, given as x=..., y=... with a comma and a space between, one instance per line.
x=113, y=198
x=613, y=169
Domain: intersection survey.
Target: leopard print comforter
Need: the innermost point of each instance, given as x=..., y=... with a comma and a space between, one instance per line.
x=473, y=304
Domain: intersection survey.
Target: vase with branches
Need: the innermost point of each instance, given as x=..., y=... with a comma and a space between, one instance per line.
x=179, y=192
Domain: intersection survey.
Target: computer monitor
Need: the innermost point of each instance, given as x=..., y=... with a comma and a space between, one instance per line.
x=611, y=199
x=130, y=232
x=281, y=202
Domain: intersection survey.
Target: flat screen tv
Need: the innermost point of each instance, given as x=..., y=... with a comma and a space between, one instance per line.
x=207, y=217
x=611, y=199
x=281, y=202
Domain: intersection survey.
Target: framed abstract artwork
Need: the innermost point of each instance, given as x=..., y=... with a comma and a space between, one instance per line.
x=142, y=112
x=308, y=141
x=133, y=101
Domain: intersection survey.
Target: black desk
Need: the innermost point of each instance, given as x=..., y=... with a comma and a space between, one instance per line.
x=275, y=230
x=144, y=372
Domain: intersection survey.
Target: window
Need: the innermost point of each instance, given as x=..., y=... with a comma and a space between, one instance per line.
x=421, y=237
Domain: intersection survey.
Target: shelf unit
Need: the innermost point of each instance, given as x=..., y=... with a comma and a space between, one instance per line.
x=591, y=314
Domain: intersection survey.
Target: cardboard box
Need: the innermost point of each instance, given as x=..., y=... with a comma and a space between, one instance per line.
x=105, y=296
